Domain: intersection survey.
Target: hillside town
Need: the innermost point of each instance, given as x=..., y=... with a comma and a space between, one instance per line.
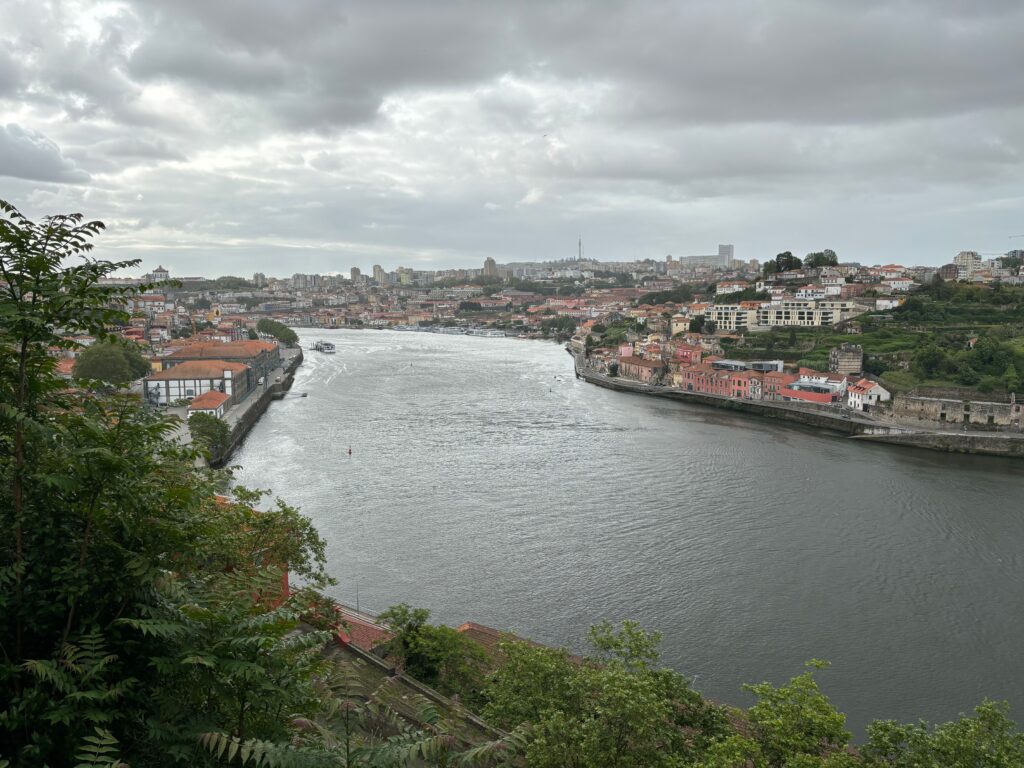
x=692, y=323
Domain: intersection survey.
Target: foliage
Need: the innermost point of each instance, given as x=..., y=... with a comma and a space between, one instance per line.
x=795, y=721
x=988, y=739
x=747, y=294
x=112, y=362
x=279, y=331
x=783, y=262
x=680, y=295
x=615, y=708
x=562, y=324
x=209, y=432
x=996, y=361
x=253, y=336
x=825, y=258
x=136, y=611
x=437, y=655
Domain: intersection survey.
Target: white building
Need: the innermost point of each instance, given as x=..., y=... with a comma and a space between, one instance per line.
x=212, y=403
x=865, y=393
x=196, y=377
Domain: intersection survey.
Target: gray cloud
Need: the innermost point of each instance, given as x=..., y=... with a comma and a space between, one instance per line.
x=27, y=154
x=322, y=133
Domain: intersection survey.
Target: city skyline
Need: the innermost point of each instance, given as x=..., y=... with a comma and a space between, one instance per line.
x=313, y=137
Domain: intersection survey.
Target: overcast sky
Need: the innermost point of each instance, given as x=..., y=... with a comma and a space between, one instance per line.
x=232, y=136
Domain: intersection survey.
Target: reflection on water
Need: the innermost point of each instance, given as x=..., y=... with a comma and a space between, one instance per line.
x=488, y=484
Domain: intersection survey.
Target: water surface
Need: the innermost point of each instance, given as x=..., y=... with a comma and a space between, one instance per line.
x=487, y=484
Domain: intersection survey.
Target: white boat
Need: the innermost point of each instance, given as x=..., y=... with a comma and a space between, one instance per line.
x=324, y=346
x=453, y=331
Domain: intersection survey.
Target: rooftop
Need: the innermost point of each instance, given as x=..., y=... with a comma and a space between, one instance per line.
x=197, y=369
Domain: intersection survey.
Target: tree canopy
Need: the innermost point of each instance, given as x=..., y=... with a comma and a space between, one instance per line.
x=278, y=330
x=112, y=362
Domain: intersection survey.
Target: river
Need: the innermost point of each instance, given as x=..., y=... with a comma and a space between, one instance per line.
x=487, y=484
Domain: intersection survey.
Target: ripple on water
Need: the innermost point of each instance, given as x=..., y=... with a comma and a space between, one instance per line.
x=488, y=484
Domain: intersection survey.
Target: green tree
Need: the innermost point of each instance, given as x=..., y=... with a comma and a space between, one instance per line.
x=138, y=611
x=1011, y=380
x=989, y=738
x=113, y=362
x=825, y=258
x=795, y=721
x=928, y=361
x=279, y=331
x=209, y=432
x=786, y=261
x=437, y=655
x=615, y=708
x=253, y=336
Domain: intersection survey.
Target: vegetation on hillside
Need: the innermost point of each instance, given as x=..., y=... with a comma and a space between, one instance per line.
x=945, y=335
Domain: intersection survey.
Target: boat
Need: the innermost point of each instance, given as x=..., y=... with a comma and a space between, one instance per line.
x=486, y=332
x=324, y=346
x=453, y=331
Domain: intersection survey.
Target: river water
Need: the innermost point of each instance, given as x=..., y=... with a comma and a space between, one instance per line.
x=487, y=484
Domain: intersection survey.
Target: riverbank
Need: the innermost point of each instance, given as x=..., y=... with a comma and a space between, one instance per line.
x=246, y=419
x=852, y=425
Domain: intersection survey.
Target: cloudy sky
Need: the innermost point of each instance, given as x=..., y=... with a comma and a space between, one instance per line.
x=229, y=136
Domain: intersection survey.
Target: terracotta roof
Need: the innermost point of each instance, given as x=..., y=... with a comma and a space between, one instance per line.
x=488, y=637
x=361, y=633
x=208, y=401
x=198, y=369
x=216, y=349
x=633, y=360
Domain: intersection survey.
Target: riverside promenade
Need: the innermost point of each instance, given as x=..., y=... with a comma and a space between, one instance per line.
x=855, y=425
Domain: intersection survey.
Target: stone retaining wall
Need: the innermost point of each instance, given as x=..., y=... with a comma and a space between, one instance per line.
x=275, y=391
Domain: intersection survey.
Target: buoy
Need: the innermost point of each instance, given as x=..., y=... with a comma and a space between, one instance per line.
x=350, y=451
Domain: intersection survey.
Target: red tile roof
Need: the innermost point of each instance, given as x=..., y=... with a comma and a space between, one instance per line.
x=198, y=369
x=361, y=633
x=208, y=401
x=217, y=349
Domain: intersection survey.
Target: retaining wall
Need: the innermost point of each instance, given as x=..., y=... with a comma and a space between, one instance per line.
x=275, y=391
x=995, y=444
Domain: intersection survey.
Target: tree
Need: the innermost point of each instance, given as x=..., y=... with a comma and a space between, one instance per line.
x=558, y=325
x=928, y=361
x=825, y=258
x=786, y=261
x=615, y=708
x=209, y=432
x=989, y=738
x=253, y=336
x=115, y=363
x=791, y=340
x=138, y=611
x=437, y=655
x=796, y=720
x=279, y=331
x=1011, y=380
